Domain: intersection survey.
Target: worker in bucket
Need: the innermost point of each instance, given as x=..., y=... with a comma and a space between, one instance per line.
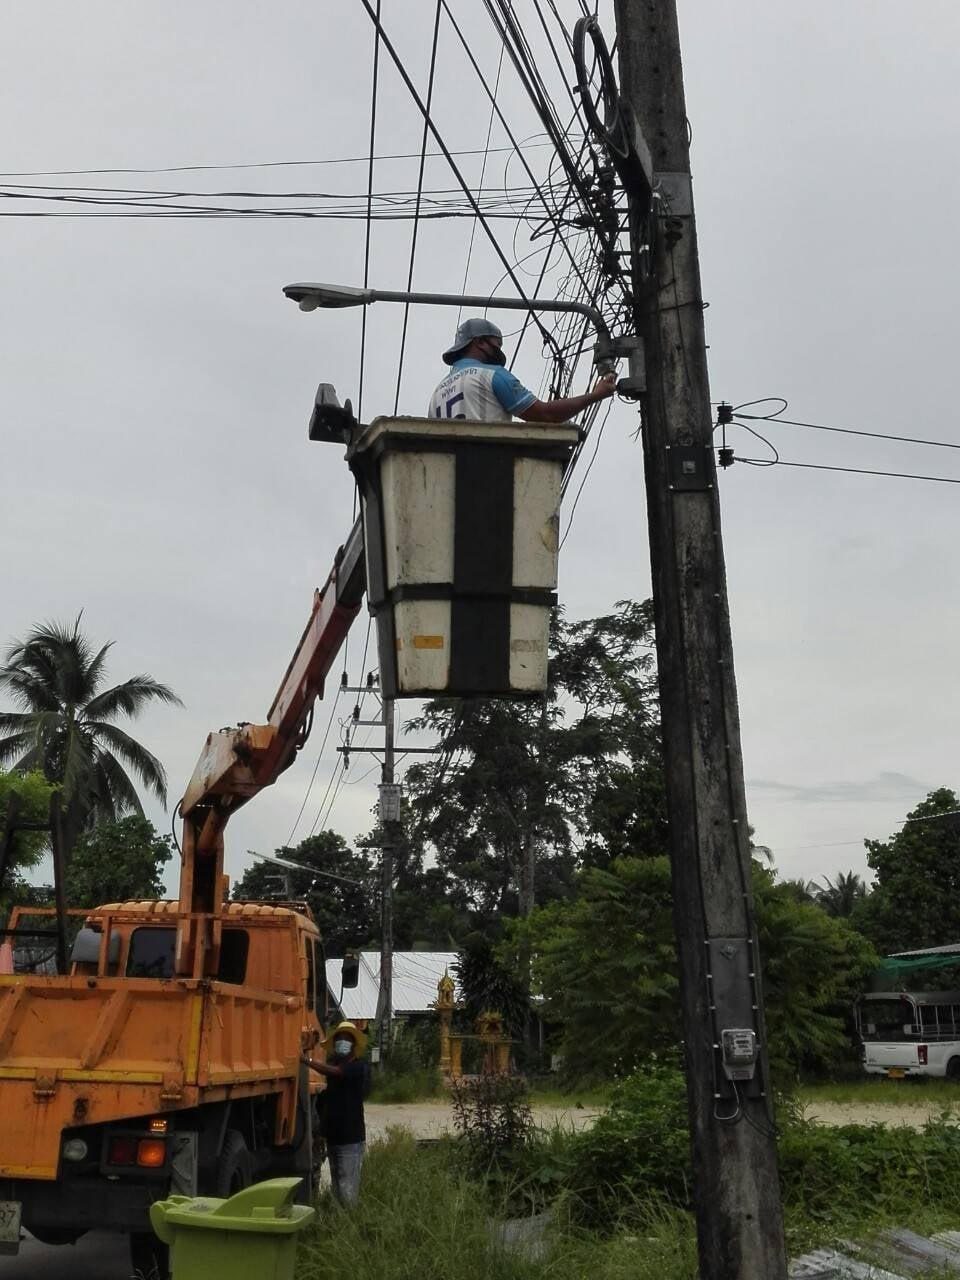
x=480, y=389
x=343, y=1123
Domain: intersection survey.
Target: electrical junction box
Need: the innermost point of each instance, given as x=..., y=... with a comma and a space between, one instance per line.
x=739, y=1052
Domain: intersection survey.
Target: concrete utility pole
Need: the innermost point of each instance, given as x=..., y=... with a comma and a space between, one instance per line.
x=739, y=1217
x=390, y=830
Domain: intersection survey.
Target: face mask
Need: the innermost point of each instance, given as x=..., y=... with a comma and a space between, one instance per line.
x=342, y=1048
x=494, y=355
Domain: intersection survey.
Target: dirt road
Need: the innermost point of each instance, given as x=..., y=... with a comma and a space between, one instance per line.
x=432, y=1119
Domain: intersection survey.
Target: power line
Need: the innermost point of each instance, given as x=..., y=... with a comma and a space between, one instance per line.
x=326, y=735
x=846, y=431
x=261, y=164
x=369, y=225
x=859, y=471
x=404, y=75
x=416, y=216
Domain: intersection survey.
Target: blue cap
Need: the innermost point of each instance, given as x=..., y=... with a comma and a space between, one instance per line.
x=470, y=329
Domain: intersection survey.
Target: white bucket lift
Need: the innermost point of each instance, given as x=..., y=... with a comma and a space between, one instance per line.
x=461, y=526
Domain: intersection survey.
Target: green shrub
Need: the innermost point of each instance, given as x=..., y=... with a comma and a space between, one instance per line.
x=492, y=1117
x=639, y=1148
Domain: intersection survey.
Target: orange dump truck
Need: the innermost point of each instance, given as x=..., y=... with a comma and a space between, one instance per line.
x=168, y=1057
x=122, y=1082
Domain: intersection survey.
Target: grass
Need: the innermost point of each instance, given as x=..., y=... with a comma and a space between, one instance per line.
x=552, y=1095
x=880, y=1091
x=421, y=1218
x=424, y=1085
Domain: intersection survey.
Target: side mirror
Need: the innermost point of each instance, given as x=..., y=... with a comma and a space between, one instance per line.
x=350, y=971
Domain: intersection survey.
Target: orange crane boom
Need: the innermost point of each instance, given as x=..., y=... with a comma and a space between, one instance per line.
x=236, y=764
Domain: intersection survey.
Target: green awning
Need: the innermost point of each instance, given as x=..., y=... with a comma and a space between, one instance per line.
x=907, y=964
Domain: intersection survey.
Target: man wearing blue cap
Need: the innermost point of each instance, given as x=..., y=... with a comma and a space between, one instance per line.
x=480, y=389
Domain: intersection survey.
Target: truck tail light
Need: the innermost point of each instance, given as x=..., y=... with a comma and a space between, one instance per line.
x=151, y=1153
x=922, y=1054
x=122, y=1151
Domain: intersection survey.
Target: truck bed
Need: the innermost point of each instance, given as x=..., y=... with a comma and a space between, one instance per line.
x=78, y=1050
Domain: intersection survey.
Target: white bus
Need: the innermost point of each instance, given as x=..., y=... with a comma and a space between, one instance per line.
x=910, y=1033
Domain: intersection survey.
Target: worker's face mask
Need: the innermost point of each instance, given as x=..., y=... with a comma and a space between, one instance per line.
x=343, y=1048
x=493, y=355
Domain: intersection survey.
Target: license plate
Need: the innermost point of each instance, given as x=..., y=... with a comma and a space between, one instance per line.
x=9, y=1223
x=896, y=1073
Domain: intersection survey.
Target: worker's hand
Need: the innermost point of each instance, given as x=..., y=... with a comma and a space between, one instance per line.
x=605, y=386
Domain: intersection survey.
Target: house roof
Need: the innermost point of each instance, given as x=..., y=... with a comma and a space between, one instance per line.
x=415, y=978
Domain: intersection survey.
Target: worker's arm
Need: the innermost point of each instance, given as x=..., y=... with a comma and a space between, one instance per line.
x=569, y=406
x=324, y=1068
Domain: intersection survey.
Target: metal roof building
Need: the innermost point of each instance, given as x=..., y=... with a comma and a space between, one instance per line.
x=415, y=978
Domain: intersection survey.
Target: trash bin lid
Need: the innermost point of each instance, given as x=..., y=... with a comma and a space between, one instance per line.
x=266, y=1208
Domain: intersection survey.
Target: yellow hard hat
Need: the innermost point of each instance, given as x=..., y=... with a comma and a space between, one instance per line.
x=353, y=1031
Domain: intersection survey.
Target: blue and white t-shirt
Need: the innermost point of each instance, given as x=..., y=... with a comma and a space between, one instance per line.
x=479, y=392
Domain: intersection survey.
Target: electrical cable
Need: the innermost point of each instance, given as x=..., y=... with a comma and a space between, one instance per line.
x=593, y=458
x=416, y=216
x=404, y=75
x=369, y=226
x=859, y=471
x=483, y=170
x=313, y=776
x=846, y=431
x=261, y=164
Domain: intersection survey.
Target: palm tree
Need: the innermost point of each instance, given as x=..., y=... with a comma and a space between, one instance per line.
x=839, y=897
x=63, y=725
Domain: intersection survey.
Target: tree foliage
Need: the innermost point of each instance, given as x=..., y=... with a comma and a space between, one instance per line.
x=30, y=794
x=63, y=725
x=578, y=773
x=347, y=913
x=118, y=862
x=915, y=901
x=841, y=896
x=605, y=964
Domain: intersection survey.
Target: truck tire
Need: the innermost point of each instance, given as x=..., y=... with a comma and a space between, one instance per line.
x=149, y=1258
x=56, y=1235
x=235, y=1166
x=953, y=1069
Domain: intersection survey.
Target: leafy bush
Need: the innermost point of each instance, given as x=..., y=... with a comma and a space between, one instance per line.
x=492, y=1118
x=856, y=1173
x=834, y=1180
x=639, y=1147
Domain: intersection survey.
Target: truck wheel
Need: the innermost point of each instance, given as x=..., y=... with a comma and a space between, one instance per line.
x=56, y=1235
x=235, y=1167
x=953, y=1069
x=149, y=1258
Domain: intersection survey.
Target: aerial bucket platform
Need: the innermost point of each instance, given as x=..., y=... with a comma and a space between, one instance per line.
x=461, y=530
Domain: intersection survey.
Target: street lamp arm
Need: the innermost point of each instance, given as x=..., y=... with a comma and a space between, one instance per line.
x=312, y=296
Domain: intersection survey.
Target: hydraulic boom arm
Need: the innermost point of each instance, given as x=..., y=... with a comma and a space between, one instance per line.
x=237, y=763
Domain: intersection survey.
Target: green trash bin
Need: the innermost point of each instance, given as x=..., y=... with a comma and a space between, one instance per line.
x=251, y=1236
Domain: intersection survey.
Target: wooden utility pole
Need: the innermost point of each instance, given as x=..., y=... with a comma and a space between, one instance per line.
x=390, y=830
x=739, y=1217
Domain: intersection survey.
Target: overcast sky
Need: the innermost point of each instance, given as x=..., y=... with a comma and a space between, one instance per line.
x=156, y=385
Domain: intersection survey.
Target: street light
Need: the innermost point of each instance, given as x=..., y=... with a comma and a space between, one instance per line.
x=335, y=296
